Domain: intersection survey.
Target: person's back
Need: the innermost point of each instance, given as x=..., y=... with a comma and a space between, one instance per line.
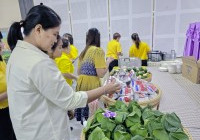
x=93, y=59
x=113, y=48
x=141, y=52
x=139, y=49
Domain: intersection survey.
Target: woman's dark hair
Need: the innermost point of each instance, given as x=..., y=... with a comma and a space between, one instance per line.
x=1, y=36
x=55, y=45
x=116, y=35
x=65, y=43
x=92, y=39
x=39, y=14
x=136, y=39
x=70, y=38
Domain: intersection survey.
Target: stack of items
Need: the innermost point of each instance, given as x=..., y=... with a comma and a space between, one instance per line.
x=132, y=88
x=192, y=45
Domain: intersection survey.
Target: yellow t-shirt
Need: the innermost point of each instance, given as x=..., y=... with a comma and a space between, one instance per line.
x=141, y=53
x=73, y=52
x=3, y=85
x=113, y=48
x=64, y=64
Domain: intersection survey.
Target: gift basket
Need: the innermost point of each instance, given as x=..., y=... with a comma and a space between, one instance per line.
x=133, y=88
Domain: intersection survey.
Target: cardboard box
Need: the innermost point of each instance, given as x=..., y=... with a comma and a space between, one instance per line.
x=191, y=69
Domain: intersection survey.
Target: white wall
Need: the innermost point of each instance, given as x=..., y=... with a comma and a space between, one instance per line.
x=171, y=20
x=9, y=12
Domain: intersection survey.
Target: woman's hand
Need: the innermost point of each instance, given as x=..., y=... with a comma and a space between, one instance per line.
x=112, y=87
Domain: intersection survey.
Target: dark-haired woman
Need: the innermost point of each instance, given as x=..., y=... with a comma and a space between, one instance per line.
x=139, y=49
x=91, y=67
x=38, y=94
x=6, y=129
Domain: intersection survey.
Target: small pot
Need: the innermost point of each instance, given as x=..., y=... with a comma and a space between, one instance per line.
x=172, y=68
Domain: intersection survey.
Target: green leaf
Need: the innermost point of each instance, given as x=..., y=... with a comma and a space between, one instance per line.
x=171, y=122
x=160, y=135
x=94, y=125
x=107, y=134
x=148, y=114
x=137, y=137
x=120, y=127
x=107, y=124
x=120, y=117
x=134, y=128
x=178, y=136
x=132, y=118
x=99, y=117
x=142, y=132
x=120, y=135
x=157, y=113
x=137, y=129
x=97, y=134
x=121, y=106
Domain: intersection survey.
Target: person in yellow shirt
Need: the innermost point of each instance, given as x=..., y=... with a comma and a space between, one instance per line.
x=91, y=67
x=73, y=54
x=60, y=51
x=6, y=129
x=139, y=49
x=114, y=50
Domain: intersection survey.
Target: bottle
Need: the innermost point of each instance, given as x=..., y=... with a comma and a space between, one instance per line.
x=173, y=54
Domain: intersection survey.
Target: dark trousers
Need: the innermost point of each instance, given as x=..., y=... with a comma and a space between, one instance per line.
x=6, y=129
x=113, y=64
x=144, y=62
x=82, y=114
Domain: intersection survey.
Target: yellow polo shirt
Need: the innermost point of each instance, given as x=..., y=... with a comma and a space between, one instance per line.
x=141, y=53
x=64, y=64
x=73, y=52
x=113, y=48
x=3, y=85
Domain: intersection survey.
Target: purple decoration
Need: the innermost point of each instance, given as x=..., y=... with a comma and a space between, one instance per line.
x=189, y=44
x=109, y=114
x=196, y=50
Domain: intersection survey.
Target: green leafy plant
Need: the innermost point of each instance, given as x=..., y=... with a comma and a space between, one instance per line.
x=134, y=123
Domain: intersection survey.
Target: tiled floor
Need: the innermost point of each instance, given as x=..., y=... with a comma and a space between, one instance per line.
x=179, y=96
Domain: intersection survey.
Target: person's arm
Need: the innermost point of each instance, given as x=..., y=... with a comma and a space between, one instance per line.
x=100, y=63
x=119, y=50
x=3, y=96
x=107, y=89
x=70, y=76
x=51, y=84
x=120, y=54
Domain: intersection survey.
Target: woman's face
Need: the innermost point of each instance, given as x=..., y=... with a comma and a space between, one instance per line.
x=47, y=38
x=58, y=51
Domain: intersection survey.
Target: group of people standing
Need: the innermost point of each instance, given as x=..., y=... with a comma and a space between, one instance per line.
x=39, y=75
